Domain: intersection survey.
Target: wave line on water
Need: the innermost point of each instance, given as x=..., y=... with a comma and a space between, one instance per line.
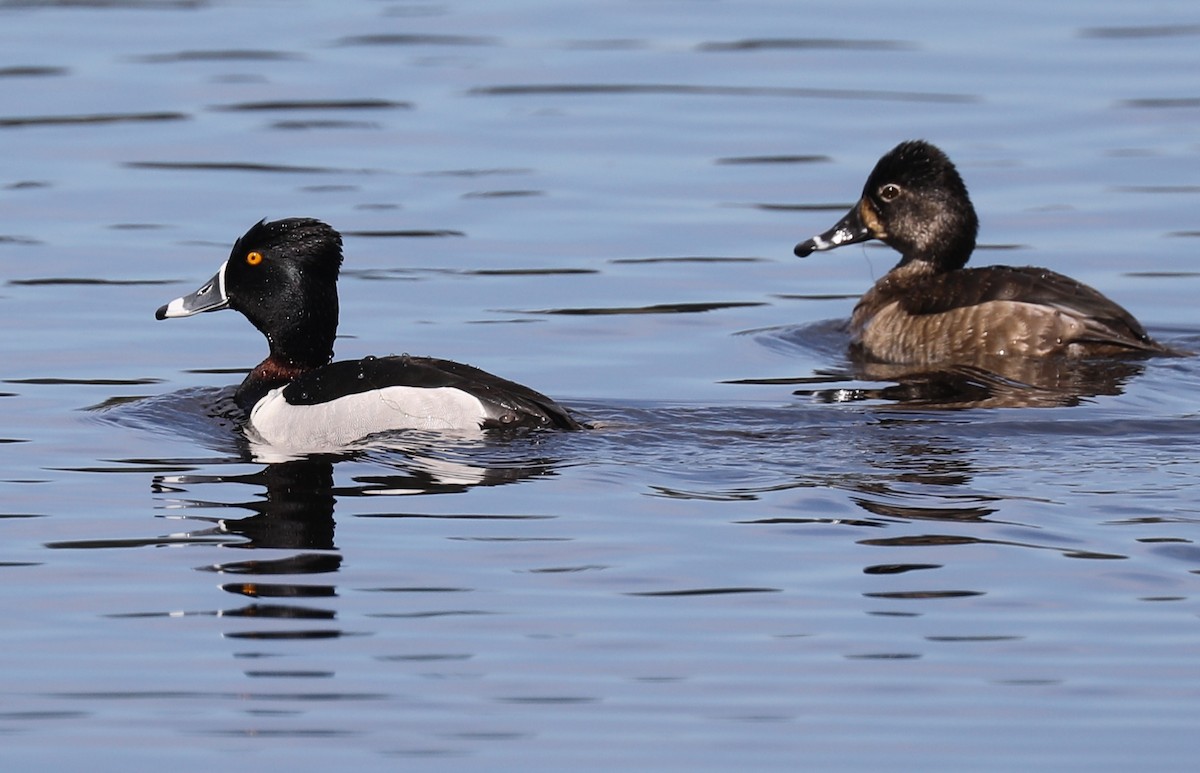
x=684, y=89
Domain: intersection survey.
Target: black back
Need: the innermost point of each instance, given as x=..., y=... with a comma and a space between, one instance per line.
x=514, y=405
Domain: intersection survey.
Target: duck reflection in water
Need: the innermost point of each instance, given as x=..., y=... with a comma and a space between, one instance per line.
x=987, y=382
x=998, y=335
x=296, y=510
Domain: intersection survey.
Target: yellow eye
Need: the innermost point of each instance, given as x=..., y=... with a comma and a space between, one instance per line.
x=253, y=258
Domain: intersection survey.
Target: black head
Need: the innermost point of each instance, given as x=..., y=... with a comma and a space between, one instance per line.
x=915, y=202
x=282, y=275
x=279, y=263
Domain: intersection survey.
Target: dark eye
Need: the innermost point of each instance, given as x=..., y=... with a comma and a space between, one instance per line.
x=889, y=192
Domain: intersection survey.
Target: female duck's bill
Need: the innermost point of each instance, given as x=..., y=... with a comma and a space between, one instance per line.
x=282, y=276
x=930, y=309
x=849, y=230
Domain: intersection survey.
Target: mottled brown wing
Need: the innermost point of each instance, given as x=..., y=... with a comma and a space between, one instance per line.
x=1104, y=321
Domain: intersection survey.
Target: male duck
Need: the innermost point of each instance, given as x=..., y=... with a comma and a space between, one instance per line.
x=282, y=276
x=930, y=309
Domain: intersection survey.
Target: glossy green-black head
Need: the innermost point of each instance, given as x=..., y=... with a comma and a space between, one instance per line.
x=282, y=275
x=915, y=202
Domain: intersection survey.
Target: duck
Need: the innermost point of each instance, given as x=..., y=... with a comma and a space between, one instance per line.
x=930, y=309
x=282, y=276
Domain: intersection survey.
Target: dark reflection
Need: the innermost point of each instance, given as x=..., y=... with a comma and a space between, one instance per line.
x=920, y=513
x=703, y=591
x=297, y=507
x=941, y=540
x=277, y=635
x=54, y=381
x=768, y=207
x=898, y=568
x=526, y=271
x=894, y=473
x=789, y=44
x=91, y=119
x=31, y=71
x=503, y=194
x=292, y=504
x=12, y=239
x=181, y=5
x=296, y=513
x=478, y=172
x=993, y=382
x=833, y=521
x=411, y=39
x=891, y=470
x=305, y=563
x=1131, y=33
x=679, y=89
x=1157, y=189
x=305, y=125
x=218, y=55
x=280, y=612
x=980, y=382
x=314, y=104
x=66, y=280
x=712, y=259
x=279, y=590
x=404, y=234
x=924, y=594
x=658, y=308
x=1158, y=102
x=237, y=166
x=789, y=159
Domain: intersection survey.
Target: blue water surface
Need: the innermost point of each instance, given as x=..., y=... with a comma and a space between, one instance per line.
x=758, y=559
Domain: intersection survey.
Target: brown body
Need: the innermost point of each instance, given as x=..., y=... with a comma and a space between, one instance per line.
x=915, y=316
x=929, y=309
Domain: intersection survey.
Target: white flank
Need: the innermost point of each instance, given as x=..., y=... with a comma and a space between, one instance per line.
x=338, y=423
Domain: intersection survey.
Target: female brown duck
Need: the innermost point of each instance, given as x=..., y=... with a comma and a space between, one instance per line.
x=930, y=309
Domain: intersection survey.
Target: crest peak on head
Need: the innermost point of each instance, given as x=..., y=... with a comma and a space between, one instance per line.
x=916, y=162
x=303, y=239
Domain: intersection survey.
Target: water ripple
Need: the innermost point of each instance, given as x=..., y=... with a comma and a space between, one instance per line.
x=413, y=39
x=219, y=55
x=657, y=308
x=703, y=591
x=679, y=89
x=435, y=233
x=303, y=635
x=314, y=104
x=792, y=44
x=240, y=166
x=1136, y=33
x=808, y=159
x=29, y=71
x=91, y=119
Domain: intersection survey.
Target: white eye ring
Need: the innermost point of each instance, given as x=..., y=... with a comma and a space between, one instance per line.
x=889, y=192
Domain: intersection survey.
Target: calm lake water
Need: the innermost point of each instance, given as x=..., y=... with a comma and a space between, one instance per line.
x=759, y=560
